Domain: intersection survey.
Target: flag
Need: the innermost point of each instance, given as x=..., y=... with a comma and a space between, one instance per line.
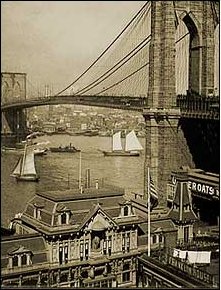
x=153, y=194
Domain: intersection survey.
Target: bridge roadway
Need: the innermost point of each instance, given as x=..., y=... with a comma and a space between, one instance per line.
x=190, y=108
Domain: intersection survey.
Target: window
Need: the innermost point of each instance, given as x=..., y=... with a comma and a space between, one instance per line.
x=81, y=251
x=63, y=218
x=86, y=251
x=24, y=259
x=109, y=245
x=21, y=259
x=160, y=238
x=66, y=254
x=123, y=243
x=60, y=255
x=37, y=213
x=15, y=261
x=126, y=272
x=63, y=254
x=126, y=267
x=105, y=247
x=154, y=239
x=126, y=211
x=126, y=277
x=128, y=242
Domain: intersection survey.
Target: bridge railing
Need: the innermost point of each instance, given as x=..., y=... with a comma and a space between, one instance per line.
x=196, y=103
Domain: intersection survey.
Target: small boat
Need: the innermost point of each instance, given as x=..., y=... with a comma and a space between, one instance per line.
x=132, y=145
x=39, y=151
x=66, y=149
x=25, y=168
x=91, y=133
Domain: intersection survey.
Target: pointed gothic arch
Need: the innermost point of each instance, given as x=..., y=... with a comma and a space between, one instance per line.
x=188, y=54
x=194, y=55
x=17, y=90
x=5, y=91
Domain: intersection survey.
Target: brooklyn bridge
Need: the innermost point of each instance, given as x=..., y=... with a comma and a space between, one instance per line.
x=163, y=64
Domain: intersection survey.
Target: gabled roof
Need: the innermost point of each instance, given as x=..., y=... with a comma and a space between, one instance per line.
x=181, y=201
x=98, y=219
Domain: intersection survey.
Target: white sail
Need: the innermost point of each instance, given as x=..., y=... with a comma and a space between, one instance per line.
x=132, y=142
x=29, y=164
x=117, y=141
x=17, y=170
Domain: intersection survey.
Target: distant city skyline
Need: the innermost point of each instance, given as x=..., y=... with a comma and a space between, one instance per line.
x=54, y=42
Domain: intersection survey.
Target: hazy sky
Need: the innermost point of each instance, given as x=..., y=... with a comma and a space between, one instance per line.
x=54, y=41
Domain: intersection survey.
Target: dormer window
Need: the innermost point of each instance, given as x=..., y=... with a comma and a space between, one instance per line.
x=64, y=218
x=126, y=211
x=19, y=257
x=37, y=210
x=15, y=261
x=63, y=215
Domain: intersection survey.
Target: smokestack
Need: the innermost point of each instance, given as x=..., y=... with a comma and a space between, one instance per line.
x=96, y=184
x=87, y=182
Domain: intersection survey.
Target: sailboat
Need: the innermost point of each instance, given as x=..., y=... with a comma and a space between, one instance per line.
x=25, y=168
x=132, y=145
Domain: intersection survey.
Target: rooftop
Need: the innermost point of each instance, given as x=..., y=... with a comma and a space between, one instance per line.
x=88, y=193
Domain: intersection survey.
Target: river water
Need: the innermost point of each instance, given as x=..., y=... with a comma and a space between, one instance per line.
x=61, y=170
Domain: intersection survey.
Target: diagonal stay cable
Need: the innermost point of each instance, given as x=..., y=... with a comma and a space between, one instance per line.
x=111, y=71
x=123, y=79
x=118, y=36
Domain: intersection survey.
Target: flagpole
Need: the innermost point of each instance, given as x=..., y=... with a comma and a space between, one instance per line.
x=148, y=214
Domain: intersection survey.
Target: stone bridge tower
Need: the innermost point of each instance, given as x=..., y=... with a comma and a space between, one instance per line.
x=166, y=146
x=13, y=88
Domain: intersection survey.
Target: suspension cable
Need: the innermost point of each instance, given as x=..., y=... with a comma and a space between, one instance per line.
x=132, y=53
x=104, y=50
x=110, y=87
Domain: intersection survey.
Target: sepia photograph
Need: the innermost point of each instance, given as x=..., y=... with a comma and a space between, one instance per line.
x=110, y=144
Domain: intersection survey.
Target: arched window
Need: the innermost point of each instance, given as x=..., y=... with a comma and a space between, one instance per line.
x=24, y=259
x=15, y=261
x=63, y=218
x=126, y=211
x=154, y=239
x=187, y=63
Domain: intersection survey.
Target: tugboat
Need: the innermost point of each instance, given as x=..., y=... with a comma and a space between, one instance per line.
x=66, y=149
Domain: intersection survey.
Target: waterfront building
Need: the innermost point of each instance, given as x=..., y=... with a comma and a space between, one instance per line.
x=88, y=237
x=94, y=236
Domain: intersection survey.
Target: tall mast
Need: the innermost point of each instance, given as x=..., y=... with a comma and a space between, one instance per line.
x=148, y=214
x=23, y=161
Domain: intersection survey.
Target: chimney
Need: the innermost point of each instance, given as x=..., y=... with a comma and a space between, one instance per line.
x=96, y=184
